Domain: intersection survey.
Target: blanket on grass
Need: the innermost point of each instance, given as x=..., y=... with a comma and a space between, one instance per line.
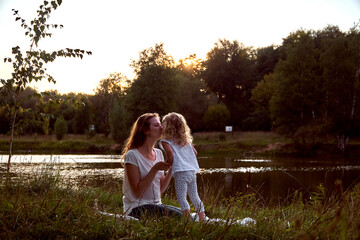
x=245, y=221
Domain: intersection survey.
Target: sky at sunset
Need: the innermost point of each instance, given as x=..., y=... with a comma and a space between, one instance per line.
x=117, y=30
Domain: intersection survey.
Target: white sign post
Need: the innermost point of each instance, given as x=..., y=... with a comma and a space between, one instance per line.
x=228, y=128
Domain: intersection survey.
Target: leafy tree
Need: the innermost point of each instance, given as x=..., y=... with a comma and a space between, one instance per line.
x=4, y=120
x=297, y=90
x=192, y=101
x=261, y=95
x=340, y=62
x=191, y=66
x=119, y=130
x=31, y=116
x=154, y=89
x=60, y=128
x=67, y=110
x=230, y=74
x=48, y=108
x=266, y=60
x=216, y=117
x=83, y=115
x=108, y=91
x=30, y=66
x=317, y=86
x=29, y=123
x=29, y=98
x=152, y=57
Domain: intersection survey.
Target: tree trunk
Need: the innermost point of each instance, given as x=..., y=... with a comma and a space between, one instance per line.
x=11, y=144
x=342, y=145
x=356, y=85
x=342, y=142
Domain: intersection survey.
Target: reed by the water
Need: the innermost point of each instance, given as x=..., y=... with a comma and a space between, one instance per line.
x=48, y=207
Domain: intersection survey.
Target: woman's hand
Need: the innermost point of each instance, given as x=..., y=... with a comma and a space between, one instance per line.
x=162, y=166
x=165, y=180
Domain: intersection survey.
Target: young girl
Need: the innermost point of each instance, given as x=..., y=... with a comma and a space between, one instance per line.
x=177, y=144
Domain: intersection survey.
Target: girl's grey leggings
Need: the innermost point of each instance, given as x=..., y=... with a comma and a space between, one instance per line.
x=185, y=183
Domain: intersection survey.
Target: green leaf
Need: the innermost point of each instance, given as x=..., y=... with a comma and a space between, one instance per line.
x=59, y=2
x=53, y=3
x=10, y=206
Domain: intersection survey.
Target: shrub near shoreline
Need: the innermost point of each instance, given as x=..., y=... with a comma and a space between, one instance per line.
x=46, y=207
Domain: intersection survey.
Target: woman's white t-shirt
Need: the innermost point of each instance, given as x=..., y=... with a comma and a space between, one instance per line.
x=152, y=195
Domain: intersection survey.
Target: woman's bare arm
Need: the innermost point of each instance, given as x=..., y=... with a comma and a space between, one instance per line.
x=138, y=185
x=165, y=181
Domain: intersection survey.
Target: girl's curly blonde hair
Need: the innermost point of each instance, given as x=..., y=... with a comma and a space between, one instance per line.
x=176, y=129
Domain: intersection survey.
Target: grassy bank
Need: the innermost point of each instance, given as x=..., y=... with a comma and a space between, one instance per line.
x=48, y=144
x=238, y=142
x=206, y=143
x=49, y=208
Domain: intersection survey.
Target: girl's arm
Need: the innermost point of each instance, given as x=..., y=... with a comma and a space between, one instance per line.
x=138, y=185
x=169, y=152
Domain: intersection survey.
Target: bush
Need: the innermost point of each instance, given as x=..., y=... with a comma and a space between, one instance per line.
x=216, y=117
x=60, y=128
x=222, y=137
x=117, y=121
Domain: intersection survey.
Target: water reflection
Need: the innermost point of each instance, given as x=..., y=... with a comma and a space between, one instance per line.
x=228, y=175
x=268, y=178
x=252, y=160
x=279, y=178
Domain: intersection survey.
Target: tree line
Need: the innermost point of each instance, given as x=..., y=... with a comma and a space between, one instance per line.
x=307, y=88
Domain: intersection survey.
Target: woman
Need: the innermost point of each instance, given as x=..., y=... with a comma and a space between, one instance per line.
x=144, y=179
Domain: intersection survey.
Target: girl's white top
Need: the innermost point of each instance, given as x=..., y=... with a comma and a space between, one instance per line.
x=152, y=195
x=184, y=157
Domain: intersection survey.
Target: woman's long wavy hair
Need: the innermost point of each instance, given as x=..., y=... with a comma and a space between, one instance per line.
x=176, y=129
x=137, y=135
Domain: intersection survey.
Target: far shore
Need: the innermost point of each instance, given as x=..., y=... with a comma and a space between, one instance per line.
x=247, y=144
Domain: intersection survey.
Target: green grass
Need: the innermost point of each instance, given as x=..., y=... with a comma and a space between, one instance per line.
x=206, y=142
x=47, y=144
x=236, y=142
x=257, y=138
x=48, y=207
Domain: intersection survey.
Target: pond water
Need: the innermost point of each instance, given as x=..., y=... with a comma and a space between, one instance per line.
x=273, y=178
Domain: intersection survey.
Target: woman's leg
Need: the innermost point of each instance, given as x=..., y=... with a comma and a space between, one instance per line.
x=155, y=210
x=174, y=211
